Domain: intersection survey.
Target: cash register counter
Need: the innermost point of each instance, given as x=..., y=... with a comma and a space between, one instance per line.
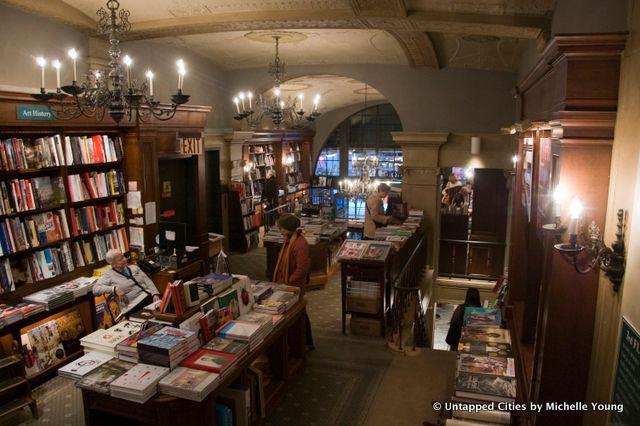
x=284, y=347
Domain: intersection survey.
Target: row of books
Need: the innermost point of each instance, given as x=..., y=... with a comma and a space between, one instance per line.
x=95, y=248
x=486, y=368
x=18, y=234
x=92, y=185
x=257, y=149
x=21, y=195
x=52, y=151
x=250, y=222
x=21, y=154
x=89, y=219
x=42, y=264
x=92, y=149
x=364, y=250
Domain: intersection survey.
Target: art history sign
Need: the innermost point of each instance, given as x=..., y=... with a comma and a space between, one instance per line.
x=627, y=387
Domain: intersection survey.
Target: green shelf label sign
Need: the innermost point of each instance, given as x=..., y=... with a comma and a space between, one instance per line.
x=33, y=112
x=627, y=388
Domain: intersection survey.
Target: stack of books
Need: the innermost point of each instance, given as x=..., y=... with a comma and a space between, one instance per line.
x=269, y=320
x=278, y=302
x=486, y=370
x=167, y=347
x=138, y=384
x=51, y=298
x=252, y=333
x=208, y=360
x=10, y=313
x=84, y=365
x=228, y=346
x=128, y=349
x=29, y=309
x=189, y=383
x=214, y=283
x=261, y=290
x=100, y=378
x=79, y=286
x=105, y=341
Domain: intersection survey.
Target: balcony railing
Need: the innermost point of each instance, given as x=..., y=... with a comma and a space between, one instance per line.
x=482, y=260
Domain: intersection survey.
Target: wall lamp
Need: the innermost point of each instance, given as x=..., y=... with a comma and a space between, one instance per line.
x=611, y=260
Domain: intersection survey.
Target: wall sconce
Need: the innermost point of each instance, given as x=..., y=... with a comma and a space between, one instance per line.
x=475, y=145
x=610, y=260
x=556, y=227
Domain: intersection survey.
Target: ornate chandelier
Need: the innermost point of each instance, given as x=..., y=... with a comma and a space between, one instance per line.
x=109, y=91
x=291, y=112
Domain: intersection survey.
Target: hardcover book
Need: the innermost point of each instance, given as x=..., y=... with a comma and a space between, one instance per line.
x=351, y=250
x=377, y=251
x=204, y=359
x=230, y=346
x=482, y=317
x=485, y=334
x=486, y=388
x=230, y=298
x=189, y=383
x=485, y=348
x=496, y=366
x=99, y=379
x=83, y=365
x=140, y=378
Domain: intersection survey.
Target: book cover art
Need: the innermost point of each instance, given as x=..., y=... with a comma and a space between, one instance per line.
x=486, y=348
x=482, y=317
x=496, y=366
x=45, y=343
x=485, y=334
x=351, y=249
x=204, y=359
x=223, y=344
x=376, y=251
x=140, y=377
x=85, y=364
x=99, y=379
x=70, y=329
x=230, y=298
x=188, y=379
x=485, y=387
x=244, y=295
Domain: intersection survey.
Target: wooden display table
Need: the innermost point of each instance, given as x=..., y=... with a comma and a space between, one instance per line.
x=284, y=347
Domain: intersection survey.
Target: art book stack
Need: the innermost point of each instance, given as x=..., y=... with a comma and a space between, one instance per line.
x=486, y=371
x=128, y=349
x=84, y=365
x=167, y=347
x=279, y=301
x=250, y=332
x=188, y=383
x=139, y=383
x=100, y=378
x=208, y=360
x=106, y=340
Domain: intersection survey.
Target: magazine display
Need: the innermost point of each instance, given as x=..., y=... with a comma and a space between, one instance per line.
x=496, y=366
x=351, y=249
x=482, y=317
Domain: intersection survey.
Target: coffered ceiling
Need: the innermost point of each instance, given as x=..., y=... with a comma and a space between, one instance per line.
x=236, y=34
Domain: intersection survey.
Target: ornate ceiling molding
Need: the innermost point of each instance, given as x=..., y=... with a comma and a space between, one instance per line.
x=391, y=8
x=418, y=48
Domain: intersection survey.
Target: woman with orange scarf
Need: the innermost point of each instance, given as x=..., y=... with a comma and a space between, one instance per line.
x=292, y=267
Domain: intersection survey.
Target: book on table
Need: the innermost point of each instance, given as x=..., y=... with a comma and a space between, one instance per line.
x=497, y=366
x=189, y=383
x=485, y=334
x=351, y=250
x=485, y=348
x=482, y=317
x=99, y=379
x=84, y=365
x=205, y=359
x=485, y=387
x=230, y=346
x=139, y=383
x=377, y=251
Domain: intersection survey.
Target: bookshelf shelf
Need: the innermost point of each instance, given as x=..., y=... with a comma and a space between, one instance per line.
x=39, y=247
x=100, y=231
x=95, y=200
x=92, y=166
x=32, y=212
x=11, y=174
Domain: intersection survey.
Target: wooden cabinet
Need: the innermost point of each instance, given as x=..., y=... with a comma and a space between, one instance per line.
x=15, y=391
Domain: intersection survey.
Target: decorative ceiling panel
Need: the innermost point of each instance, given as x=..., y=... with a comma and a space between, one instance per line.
x=490, y=7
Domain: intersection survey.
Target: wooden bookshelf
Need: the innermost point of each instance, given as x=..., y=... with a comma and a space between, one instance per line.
x=15, y=390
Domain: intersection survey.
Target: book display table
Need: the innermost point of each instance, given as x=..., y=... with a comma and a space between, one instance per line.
x=284, y=347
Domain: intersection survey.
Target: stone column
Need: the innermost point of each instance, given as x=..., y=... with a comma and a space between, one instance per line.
x=420, y=180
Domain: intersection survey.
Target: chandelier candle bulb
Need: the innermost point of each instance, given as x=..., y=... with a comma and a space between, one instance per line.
x=150, y=78
x=301, y=97
x=241, y=95
x=127, y=62
x=73, y=54
x=56, y=64
x=235, y=101
x=181, y=73
x=250, y=95
x=575, y=209
x=42, y=62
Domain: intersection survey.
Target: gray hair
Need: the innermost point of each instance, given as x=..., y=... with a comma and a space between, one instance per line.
x=111, y=255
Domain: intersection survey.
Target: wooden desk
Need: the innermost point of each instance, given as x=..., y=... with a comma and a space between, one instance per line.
x=284, y=346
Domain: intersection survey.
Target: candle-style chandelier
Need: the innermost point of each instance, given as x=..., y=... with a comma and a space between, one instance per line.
x=110, y=90
x=290, y=112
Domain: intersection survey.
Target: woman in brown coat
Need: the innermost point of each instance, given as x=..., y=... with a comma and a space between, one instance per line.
x=293, y=263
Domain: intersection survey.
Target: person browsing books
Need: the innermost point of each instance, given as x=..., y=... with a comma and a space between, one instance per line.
x=293, y=263
x=374, y=215
x=472, y=298
x=125, y=281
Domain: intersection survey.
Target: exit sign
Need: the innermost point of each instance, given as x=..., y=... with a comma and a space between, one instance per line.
x=190, y=146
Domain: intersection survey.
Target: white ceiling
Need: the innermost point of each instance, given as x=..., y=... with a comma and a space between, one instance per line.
x=236, y=34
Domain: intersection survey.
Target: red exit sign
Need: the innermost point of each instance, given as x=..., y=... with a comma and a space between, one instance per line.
x=190, y=146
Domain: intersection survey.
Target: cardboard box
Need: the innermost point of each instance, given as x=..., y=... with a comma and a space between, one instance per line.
x=365, y=326
x=363, y=305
